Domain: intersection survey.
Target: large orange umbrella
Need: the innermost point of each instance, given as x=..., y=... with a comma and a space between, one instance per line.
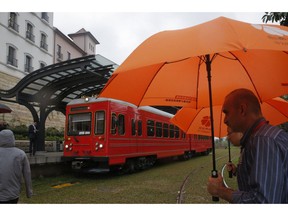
x=197, y=121
x=171, y=67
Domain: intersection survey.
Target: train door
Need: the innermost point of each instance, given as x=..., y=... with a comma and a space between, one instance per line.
x=136, y=130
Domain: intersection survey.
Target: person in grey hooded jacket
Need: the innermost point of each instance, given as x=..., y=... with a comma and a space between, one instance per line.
x=14, y=165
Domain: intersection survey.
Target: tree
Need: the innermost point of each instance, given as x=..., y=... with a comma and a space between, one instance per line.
x=281, y=17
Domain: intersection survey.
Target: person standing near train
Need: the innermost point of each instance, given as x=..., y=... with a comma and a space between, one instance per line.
x=263, y=165
x=32, y=133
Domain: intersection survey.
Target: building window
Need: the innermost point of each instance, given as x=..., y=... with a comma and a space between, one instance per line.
x=158, y=129
x=29, y=32
x=165, y=130
x=68, y=55
x=133, y=127
x=150, y=128
x=42, y=65
x=28, y=64
x=113, y=123
x=121, y=124
x=139, y=128
x=100, y=122
x=43, y=42
x=59, y=53
x=12, y=23
x=44, y=15
x=11, y=58
x=171, y=131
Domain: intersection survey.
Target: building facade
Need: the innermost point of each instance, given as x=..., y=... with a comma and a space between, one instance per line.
x=28, y=42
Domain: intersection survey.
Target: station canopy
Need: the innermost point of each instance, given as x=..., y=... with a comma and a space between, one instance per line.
x=56, y=85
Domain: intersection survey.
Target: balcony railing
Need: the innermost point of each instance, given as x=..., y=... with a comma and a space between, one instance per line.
x=12, y=24
x=30, y=36
x=44, y=45
x=59, y=56
x=12, y=61
x=28, y=68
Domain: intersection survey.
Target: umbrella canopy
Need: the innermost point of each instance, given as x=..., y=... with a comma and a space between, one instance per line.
x=4, y=109
x=170, y=67
x=197, y=121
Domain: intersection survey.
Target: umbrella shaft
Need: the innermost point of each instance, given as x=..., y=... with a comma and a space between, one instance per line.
x=208, y=68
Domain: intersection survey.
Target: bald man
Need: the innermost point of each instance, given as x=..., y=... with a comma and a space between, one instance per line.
x=262, y=171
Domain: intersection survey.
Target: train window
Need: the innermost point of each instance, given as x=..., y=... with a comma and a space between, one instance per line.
x=121, y=124
x=177, y=132
x=165, y=130
x=171, y=131
x=113, y=123
x=139, y=128
x=133, y=127
x=99, y=122
x=150, y=128
x=158, y=129
x=79, y=124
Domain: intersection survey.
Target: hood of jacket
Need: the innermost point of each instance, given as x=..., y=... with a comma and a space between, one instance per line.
x=7, y=138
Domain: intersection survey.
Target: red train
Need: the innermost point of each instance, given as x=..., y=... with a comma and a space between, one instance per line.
x=103, y=134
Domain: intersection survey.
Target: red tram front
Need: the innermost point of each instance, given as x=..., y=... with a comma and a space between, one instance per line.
x=103, y=134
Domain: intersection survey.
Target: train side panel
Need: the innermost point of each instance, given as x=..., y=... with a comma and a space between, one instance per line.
x=101, y=133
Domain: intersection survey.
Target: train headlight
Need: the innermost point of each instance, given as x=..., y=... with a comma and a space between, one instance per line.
x=66, y=146
x=98, y=146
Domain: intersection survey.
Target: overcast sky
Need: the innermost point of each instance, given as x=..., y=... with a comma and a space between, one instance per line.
x=121, y=25
x=119, y=33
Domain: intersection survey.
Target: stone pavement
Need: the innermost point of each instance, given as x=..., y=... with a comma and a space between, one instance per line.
x=42, y=157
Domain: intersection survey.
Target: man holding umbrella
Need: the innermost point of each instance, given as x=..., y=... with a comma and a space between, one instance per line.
x=263, y=164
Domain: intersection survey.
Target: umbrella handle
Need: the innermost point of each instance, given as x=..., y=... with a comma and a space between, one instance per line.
x=214, y=174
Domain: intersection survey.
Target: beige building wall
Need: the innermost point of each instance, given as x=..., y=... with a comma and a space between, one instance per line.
x=68, y=49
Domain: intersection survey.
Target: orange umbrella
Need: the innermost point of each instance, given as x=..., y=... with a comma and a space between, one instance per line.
x=197, y=121
x=171, y=67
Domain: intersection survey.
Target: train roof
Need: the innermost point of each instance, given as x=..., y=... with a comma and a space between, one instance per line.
x=102, y=99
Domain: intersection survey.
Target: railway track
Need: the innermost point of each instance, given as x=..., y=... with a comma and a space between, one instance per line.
x=181, y=191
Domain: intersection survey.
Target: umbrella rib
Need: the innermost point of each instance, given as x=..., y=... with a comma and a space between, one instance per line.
x=151, y=80
x=236, y=58
x=201, y=61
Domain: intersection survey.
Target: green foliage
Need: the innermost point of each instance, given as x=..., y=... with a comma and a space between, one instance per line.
x=51, y=133
x=281, y=17
x=20, y=131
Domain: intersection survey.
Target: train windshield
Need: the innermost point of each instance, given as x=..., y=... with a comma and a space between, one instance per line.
x=79, y=124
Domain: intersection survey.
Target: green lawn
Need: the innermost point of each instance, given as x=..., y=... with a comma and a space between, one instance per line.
x=157, y=185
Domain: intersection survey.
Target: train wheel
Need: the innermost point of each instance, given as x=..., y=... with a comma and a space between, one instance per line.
x=129, y=166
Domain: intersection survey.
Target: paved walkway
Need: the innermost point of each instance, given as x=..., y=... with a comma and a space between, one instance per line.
x=45, y=157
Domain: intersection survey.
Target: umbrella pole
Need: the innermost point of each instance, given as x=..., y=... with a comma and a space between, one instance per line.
x=214, y=172
x=229, y=153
